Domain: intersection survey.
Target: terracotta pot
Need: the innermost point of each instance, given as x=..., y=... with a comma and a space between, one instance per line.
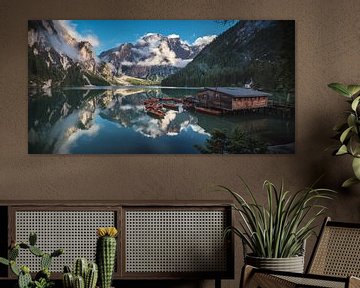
x=291, y=264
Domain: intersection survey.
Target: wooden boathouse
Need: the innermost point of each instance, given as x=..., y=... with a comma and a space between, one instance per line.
x=228, y=99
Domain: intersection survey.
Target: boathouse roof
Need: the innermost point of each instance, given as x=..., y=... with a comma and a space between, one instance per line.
x=238, y=92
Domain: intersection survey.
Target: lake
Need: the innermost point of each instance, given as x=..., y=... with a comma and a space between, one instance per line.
x=113, y=120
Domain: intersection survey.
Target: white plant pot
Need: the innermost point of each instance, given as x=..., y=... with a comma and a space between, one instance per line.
x=291, y=264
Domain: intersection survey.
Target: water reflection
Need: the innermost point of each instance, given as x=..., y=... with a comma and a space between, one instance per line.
x=115, y=121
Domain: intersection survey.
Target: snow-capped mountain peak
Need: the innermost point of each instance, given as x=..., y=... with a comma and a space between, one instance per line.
x=153, y=55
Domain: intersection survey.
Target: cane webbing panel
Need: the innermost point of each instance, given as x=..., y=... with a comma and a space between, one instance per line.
x=75, y=231
x=175, y=241
x=267, y=280
x=313, y=282
x=338, y=252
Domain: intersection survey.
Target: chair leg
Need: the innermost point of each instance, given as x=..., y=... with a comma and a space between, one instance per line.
x=246, y=274
x=354, y=282
x=217, y=283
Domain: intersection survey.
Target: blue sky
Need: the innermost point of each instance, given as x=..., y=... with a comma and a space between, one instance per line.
x=107, y=34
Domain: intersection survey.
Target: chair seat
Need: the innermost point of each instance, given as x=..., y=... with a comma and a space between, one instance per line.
x=269, y=279
x=335, y=262
x=314, y=282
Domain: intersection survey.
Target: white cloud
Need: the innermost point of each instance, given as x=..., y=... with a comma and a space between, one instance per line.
x=184, y=42
x=173, y=36
x=72, y=139
x=64, y=48
x=204, y=40
x=149, y=34
x=71, y=29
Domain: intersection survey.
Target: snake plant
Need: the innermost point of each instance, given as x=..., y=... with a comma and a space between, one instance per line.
x=279, y=228
x=349, y=131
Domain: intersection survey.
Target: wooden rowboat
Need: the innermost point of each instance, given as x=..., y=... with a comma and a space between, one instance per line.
x=151, y=101
x=156, y=113
x=170, y=106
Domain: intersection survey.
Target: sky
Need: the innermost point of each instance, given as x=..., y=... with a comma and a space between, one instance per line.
x=107, y=34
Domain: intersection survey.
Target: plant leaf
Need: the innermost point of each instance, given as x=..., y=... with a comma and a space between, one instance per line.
x=351, y=120
x=340, y=88
x=355, y=103
x=345, y=134
x=342, y=150
x=356, y=167
x=354, y=145
x=353, y=89
x=349, y=182
x=4, y=261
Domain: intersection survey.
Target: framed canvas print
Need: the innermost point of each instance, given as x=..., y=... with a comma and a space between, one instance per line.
x=161, y=86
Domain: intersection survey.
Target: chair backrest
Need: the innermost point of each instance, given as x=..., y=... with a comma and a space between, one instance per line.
x=337, y=251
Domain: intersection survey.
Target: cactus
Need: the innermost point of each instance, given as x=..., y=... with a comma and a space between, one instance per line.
x=45, y=261
x=24, y=246
x=68, y=280
x=14, y=268
x=36, y=251
x=105, y=254
x=91, y=276
x=32, y=238
x=57, y=252
x=90, y=272
x=79, y=282
x=80, y=268
x=4, y=261
x=13, y=253
x=24, y=278
x=67, y=269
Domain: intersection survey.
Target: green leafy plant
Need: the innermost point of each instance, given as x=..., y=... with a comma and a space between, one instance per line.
x=42, y=278
x=279, y=229
x=43, y=283
x=349, y=132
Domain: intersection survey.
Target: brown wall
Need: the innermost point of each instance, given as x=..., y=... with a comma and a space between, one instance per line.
x=327, y=50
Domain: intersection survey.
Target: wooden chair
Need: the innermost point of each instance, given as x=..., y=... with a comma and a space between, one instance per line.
x=334, y=263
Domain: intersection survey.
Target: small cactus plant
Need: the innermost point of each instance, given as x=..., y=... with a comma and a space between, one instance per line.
x=79, y=282
x=85, y=275
x=81, y=267
x=106, y=254
x=91, y=276
x=42, y=278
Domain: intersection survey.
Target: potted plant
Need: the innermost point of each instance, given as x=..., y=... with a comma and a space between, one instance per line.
x=276, y=233
x=349, y=132
x=84, y=274
x=42, y=278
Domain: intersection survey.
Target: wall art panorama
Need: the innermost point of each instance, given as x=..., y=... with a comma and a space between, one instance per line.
x=161, y=86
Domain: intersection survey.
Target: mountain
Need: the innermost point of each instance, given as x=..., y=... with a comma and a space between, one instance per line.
x=56, y=58
x=153, y=56
x=261, y=51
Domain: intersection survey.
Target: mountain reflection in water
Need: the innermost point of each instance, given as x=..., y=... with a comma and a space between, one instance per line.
x=114, y=121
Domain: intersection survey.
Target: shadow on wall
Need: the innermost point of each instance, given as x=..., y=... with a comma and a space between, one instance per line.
x=333, y=169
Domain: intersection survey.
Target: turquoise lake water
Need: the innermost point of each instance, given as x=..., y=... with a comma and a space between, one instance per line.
x=112, y=120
